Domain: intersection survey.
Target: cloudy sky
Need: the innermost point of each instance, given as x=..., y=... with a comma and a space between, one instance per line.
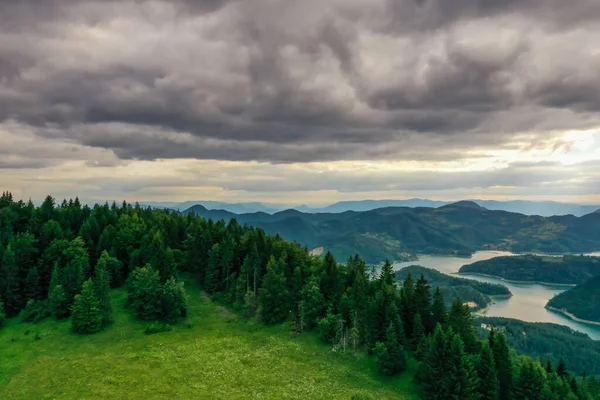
x=310, y=101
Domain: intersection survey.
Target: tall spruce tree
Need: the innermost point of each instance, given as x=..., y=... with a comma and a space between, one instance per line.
x=461, y=321
x=391, y=357
x=10, y=293
x=439, y=314
x=529, y=384
x=422, y=301
x=313, y=303
x=489, y=387
x=85, y=311
x=418, y=332
x=274, y=294
x=32, y=285
x=503, y=363
x=433, y=370
x=102, y=289
x=463, y=380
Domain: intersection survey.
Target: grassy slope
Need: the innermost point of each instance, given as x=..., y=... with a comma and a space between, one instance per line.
x=218, y=356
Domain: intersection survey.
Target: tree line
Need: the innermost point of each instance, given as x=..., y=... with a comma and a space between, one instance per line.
x=61, y=260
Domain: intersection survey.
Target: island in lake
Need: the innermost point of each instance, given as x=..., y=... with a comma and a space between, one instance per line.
x=563, y=270
x=468, y=290
x=580, y=303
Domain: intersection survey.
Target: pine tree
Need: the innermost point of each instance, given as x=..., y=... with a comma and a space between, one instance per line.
x=463, y=380
x=212, y=273
x=503, y=365
x=331, y=283
x=102, y=289
x=433, y=373
x=85, y=311
x=32, y=285
x=489, y=387
x=10, y=293
x=407, y=302
x=461, y=321
x=529, y=384
x=418, y=332
x=273, y=294
x=422, y=300
x=548, y=366
x=561, y=370
x=76, y=269
x=391, y=357
x=313, y=302
x=57, y=300
x=439, y=315
x=387, y=274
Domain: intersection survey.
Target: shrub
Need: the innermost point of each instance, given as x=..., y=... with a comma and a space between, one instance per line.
x=158, y=327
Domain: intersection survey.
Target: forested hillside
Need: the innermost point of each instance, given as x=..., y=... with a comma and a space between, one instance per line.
x=459, y=228
x=582, y=301
x=531, y=268
x=452, y=287
x=59, y=262
x=549, y=341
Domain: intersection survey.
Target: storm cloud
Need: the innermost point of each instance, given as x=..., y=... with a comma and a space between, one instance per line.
x=286, y=82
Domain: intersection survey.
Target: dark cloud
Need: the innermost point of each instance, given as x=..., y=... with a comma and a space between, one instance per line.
x=299, y=81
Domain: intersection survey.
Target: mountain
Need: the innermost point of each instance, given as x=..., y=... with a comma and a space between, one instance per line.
x=458, y=228
x=531, y=268
x=467, y=290
x=542, y=208
x=581, y=302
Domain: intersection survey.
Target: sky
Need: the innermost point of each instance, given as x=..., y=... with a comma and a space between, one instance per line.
x=290, y=101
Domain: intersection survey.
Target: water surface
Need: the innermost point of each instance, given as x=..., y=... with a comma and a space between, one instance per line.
x=528, y=300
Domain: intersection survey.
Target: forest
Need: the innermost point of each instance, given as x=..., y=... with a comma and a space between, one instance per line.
x=452, y=287
x=63, y=261
x=581, y=301
x=548, y=341
x=566, y=269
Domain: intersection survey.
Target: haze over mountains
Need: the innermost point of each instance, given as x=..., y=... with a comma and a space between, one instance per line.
x=542, y=208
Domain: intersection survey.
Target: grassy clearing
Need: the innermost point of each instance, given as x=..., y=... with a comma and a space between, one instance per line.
x=214, y=355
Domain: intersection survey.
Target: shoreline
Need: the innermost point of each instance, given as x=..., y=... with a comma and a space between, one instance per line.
x=571, y=316
x=513, y=281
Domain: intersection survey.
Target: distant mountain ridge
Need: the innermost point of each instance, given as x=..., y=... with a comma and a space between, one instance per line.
x=542, y=208
x=395, y=232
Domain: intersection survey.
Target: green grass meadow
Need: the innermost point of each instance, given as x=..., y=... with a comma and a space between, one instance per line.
x=213, y=355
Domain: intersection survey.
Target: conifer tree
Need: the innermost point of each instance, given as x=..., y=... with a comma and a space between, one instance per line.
x=85, y=311
x=439, y=315
x=529, y=384
x=391, y=357
x=32, y=285
x=489, y=387
x=213, y=269
x=57, y=300
x=76, y=268
x=386, y=276
x=408, y=304
x=503, y=365
x=433, y=373
x=102, y=289
x=10, y=293
x=561, y=369
x=422, y=301
x=463, y=380
x=418, y=332
x=461, y=321
x=273, y=294
x=313, y=302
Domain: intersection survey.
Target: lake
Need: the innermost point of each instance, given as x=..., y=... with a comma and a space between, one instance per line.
x=528, y=300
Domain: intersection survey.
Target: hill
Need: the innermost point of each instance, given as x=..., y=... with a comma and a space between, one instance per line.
x=532, y=268
x=391, y=232
x=549, y=341
x=215, y=355
x=451, y=287
x=580, y=302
